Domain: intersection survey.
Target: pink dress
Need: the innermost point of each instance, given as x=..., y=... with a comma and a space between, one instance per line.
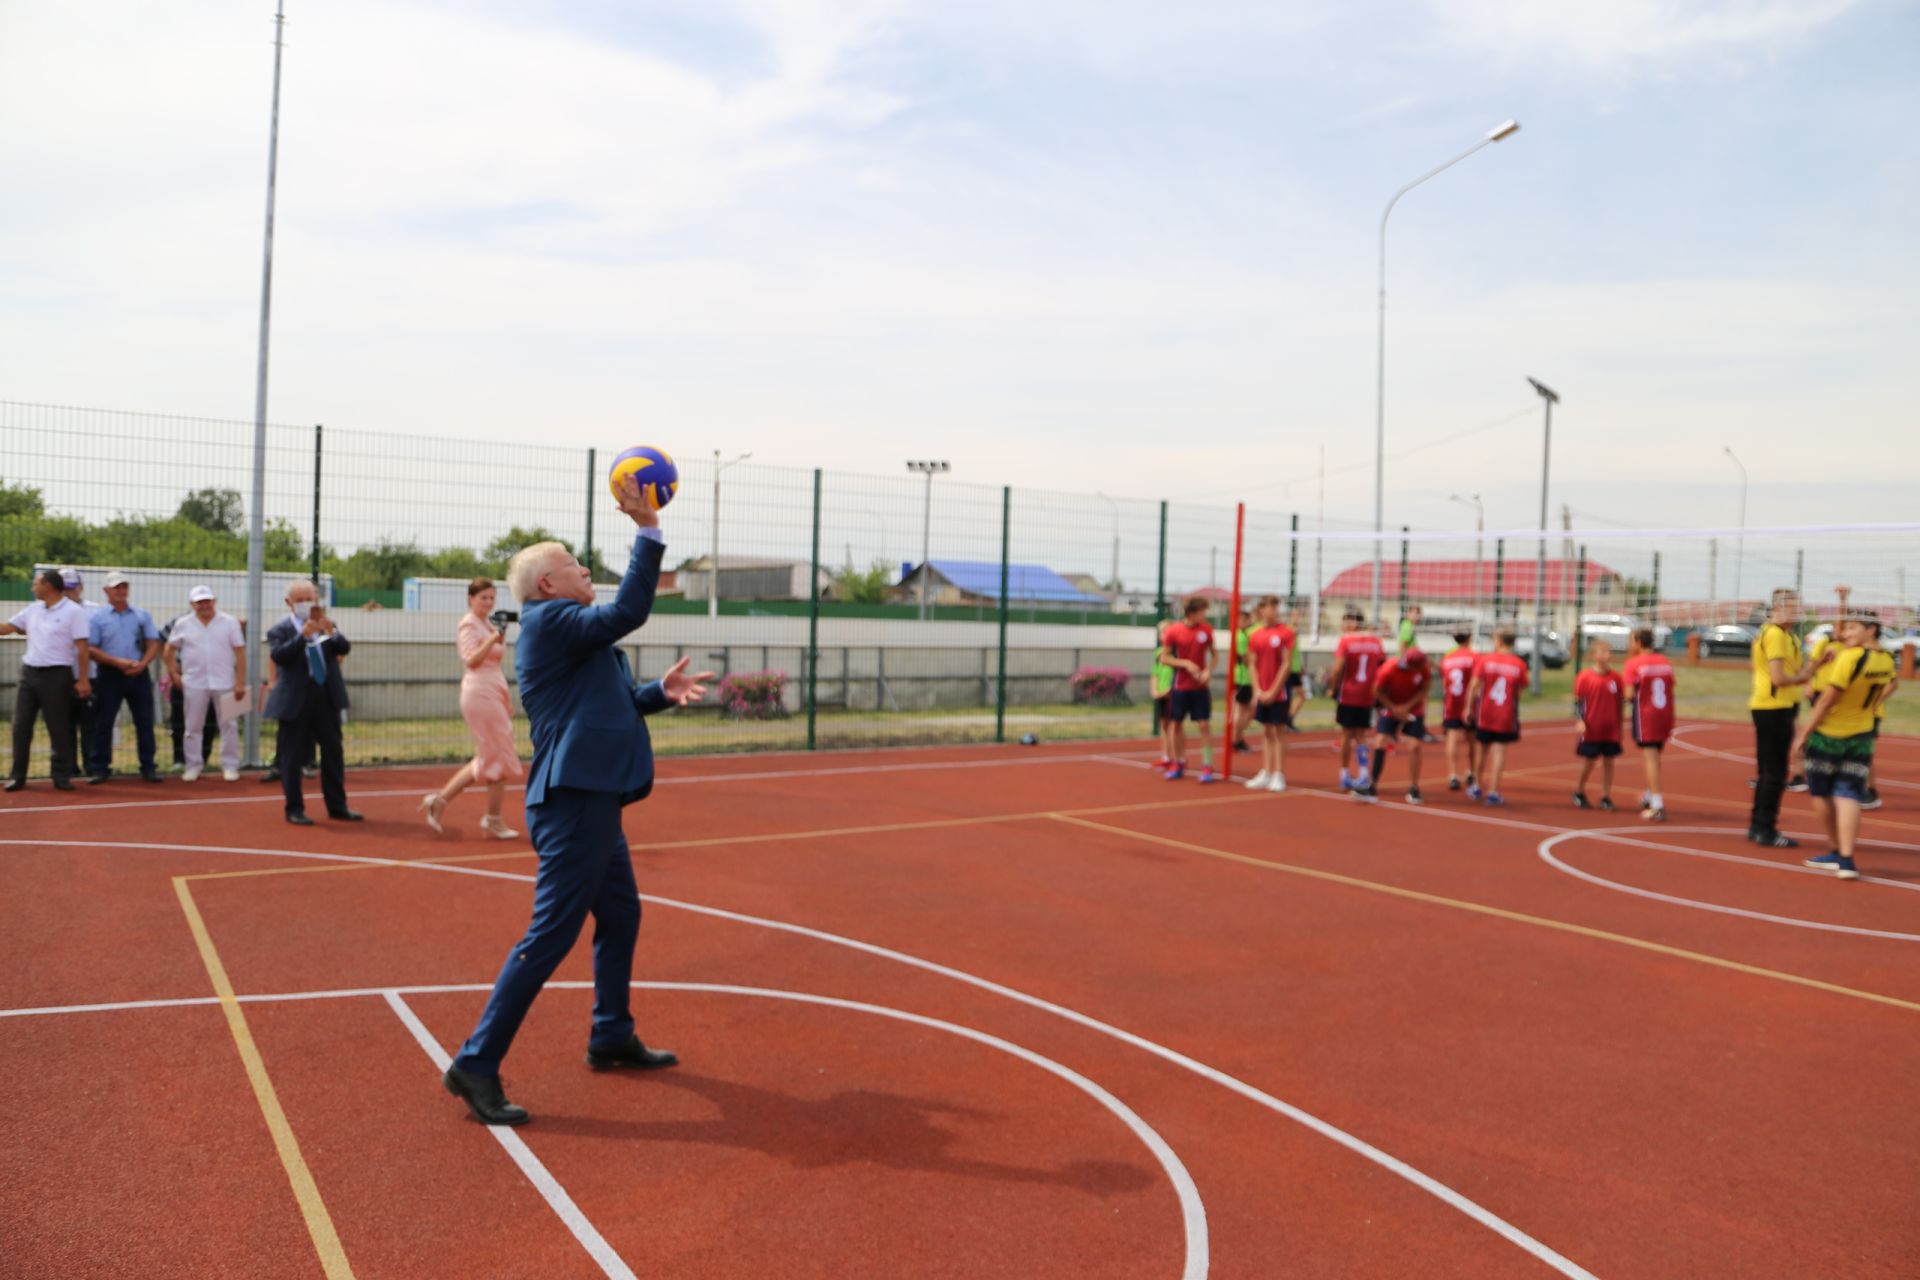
x=487, y=705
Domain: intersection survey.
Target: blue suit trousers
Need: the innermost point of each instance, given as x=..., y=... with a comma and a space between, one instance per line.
x=585, y=869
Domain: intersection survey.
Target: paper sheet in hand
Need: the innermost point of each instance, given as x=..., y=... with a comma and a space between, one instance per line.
x=232, y=708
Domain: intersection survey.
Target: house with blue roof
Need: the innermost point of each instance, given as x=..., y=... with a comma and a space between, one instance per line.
x=976, y=583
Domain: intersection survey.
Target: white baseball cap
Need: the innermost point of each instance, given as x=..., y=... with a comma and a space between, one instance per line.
x=118, y=579
x=198, y=594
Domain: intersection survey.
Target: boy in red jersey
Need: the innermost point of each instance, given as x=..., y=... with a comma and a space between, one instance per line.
x=1456, y=675
x=1649, y=678
x=1401, y=688
x=1188, y=649
x=1494, y=697
x=1270, y=654
x=1596, y=703
x=1357, y=656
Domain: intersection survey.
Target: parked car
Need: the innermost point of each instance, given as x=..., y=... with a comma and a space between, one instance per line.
x=1553, y=650
x=1891, y=643
x=1728, y=640
x=1616, y=628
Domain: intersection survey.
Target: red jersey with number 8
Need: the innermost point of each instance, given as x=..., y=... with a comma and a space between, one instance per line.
x=1502, y=676
x=1358, y=655
x=1651, y=677
x=1456, y=676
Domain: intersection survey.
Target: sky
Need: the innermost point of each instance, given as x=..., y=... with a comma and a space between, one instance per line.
x=1119, y=246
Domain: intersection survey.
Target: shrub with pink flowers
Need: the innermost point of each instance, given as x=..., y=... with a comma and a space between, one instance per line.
x=1101, y=686
x=754, y=695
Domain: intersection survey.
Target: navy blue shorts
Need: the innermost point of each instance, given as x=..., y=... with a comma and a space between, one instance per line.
x=1389, y=727
x=1274, y=712
x=1352, y=717
x=1191, y=704
x=1596, y=750
x=1487, y=737
x=1454, y=722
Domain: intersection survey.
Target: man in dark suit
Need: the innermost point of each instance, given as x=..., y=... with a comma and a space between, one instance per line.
x=307, y=701
x=591, y=758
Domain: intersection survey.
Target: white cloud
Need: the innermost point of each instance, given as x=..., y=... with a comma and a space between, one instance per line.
x=1614, y=35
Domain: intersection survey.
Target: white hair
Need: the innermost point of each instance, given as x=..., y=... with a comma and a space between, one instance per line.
x=528, y=563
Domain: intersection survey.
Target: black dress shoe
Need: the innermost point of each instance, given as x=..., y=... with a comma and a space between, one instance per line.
x=271, y=775
x=484, y=1097
x=631, y=1054
x=299, y=819
x=1773, y=840
x=347, y=815
x=151, y=777
x=63, y=784
x=16, y=784
x=97, y=779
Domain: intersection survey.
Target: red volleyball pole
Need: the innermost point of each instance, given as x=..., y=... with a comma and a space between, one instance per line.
x=1233, y=636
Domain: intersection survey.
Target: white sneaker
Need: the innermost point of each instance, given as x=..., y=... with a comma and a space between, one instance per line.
x=231, y=775
x=1257, y=781
x=191, y=775
x=1278, y=782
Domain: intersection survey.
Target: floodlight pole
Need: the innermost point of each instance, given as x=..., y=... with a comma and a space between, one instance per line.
x=713, y=558
x=929, y=470
x=1479, y=541
x=1549, y=398
x=256, y=522
x=1495, y=134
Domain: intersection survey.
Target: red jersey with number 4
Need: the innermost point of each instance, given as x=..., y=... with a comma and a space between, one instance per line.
x=1399, y=684
x=1456, y=675
x=1597, y=695
x=1650, y=676
x=1502, y=676
x=1358, y=655
x=1195, y=644
x=1271, y=651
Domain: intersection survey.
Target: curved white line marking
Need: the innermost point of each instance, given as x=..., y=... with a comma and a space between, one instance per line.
x=1679, y=739
x=1360, y=1147
x=1193, y=1214
x=1609, y=834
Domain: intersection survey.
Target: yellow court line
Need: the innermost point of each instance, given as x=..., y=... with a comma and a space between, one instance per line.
x=1479, y=908
x=326, y=1242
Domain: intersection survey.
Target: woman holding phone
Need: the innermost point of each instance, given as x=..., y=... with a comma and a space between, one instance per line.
x=488, y=708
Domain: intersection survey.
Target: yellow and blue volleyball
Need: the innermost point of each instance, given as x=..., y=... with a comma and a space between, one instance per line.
x=651, y=469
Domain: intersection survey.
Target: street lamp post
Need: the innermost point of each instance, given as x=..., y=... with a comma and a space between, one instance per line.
x=1479, y=540
x=1739, y=546
x=713, y=557
x=929, y=470
x=1549, y=398
x=1494, y=134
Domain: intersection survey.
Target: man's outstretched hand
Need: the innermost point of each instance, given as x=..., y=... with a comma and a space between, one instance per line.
x=682, y=689
x=634, y=503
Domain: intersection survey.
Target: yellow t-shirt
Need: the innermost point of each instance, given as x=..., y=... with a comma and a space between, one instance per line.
x=1819, y=680
x=1860, y=675
x=1775, y=641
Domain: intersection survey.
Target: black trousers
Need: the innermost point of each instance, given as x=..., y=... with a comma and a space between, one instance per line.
x=46, y=692
x=317, y=725
x=110, y=689
x=1772, y=742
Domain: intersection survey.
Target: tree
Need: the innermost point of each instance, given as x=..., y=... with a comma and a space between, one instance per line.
x=20, y=500
x=215, y=510
x=865, y=586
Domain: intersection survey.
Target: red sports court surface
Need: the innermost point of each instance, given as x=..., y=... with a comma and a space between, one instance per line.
x=990, y=1011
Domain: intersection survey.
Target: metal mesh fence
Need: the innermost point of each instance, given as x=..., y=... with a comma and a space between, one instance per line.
x=840, y=609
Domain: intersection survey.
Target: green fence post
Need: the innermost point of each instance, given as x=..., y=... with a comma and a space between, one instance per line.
x=1579, y=597
x=592, y=467
x=1656, y=588
x=1799, y=568
x=1006, y=544
x=314, y=554
x=1159, y=612
x=1404, y=531
x=1499, y=576
x=1293, y=562
x=813, y=618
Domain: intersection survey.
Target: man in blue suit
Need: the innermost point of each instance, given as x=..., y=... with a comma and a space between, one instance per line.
x=591, y=758
x=307, y=701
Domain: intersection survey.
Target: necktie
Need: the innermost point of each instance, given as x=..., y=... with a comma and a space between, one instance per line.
x=316, y=665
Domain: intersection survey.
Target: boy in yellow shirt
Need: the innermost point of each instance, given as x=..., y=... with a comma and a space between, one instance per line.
x=1838, y=738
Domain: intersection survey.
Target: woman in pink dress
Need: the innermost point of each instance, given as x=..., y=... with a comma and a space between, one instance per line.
x=488, y=708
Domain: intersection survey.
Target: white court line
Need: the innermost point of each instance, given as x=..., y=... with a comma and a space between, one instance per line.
x=1679, y=739
x=1359, y=1146
x=544, y=1182
x=1547, y=846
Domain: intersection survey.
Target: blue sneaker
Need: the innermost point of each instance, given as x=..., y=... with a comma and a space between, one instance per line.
x=1832, y=861
x=1207, y=774
x=1176, y=773
x=1845, y=870
x=1346, y=783
x=1473, y=791
x=1494, y=798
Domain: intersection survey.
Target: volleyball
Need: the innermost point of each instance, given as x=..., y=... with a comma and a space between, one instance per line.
x=651, y=469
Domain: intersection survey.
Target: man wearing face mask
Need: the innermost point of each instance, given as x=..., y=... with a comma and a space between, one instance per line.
x=307, y=701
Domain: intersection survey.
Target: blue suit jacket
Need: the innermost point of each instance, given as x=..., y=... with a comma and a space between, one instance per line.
x=586, y=712
x=295, y=685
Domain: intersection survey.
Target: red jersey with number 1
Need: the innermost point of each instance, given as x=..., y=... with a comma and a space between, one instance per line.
x=1456, y=677
x=1597, y=694
x=1502, y=676
x=1358, y=656
x=1650, y=676
x=1195, y=644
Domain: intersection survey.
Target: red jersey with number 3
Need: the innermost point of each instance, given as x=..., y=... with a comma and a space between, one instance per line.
x=1597, y=694
x=1456, y=677
x=1651, y=678
x=1358, y=655
x=1502, y=676
x=1271, y=650
x=1195, y=644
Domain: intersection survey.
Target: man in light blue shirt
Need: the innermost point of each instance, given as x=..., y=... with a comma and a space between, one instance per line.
x=124, y=644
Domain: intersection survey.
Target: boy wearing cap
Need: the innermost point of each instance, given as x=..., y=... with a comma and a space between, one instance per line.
x=1838, y=739
x=207, y=656
x=125, y=643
